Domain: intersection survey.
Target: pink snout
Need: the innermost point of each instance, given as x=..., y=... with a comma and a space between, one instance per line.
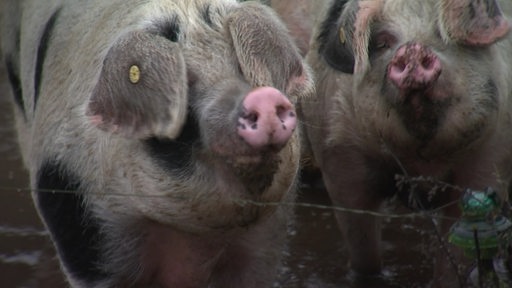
x=414, y=66
x=268, y=118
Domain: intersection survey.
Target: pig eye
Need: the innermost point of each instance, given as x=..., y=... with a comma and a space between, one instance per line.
x=380, y=42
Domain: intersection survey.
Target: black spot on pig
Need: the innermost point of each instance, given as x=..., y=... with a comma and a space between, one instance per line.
x=338, y=55
x=41, y=53
x=14, y=80
x=176, y=154
x=76, y=234
x=331, y=21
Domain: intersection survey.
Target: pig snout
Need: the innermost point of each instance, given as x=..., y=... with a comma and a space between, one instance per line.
x=414, y=66
x=268, y=118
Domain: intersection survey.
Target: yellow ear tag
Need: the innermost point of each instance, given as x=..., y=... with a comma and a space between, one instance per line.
x=134, y=74
x=342, y=36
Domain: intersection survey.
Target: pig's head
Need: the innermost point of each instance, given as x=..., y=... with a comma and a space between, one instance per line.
x=207, y=90
x=426, y=75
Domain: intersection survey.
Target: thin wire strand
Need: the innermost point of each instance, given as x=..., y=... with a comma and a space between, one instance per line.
x=244, y=202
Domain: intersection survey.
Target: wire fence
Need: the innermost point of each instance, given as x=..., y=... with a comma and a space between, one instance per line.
x=402, y=182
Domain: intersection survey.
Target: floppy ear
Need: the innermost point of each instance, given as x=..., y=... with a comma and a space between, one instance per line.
x=142, y=88
x=345, y=34
x=472, y=22
x=265, y=51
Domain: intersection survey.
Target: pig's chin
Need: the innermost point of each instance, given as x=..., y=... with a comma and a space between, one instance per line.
x=418, y=103
x=422, y=112
x=249, y=162
x=254, y=168
x=249, y=168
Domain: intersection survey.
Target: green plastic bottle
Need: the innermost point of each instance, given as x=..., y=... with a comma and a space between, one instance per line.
x=484, y=234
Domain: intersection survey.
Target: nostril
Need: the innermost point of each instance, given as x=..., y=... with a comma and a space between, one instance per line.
x=282, y=112
x=286, y=115
x=400, y=65
x=251, y=119
x=427, y=63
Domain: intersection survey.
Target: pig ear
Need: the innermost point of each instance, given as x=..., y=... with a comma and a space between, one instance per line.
x=266, y=53
x=142, y=88
x=472, y=22
x=345, y=34
x=335, y=40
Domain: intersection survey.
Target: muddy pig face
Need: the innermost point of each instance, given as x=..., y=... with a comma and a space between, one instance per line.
x=427, y=71
x=413, y=89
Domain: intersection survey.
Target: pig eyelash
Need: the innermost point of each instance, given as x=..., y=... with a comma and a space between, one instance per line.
x=381, y=41
x=381, y=45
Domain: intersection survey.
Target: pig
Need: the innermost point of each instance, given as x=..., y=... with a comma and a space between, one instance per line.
x=160, y=136
x=409, y=90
